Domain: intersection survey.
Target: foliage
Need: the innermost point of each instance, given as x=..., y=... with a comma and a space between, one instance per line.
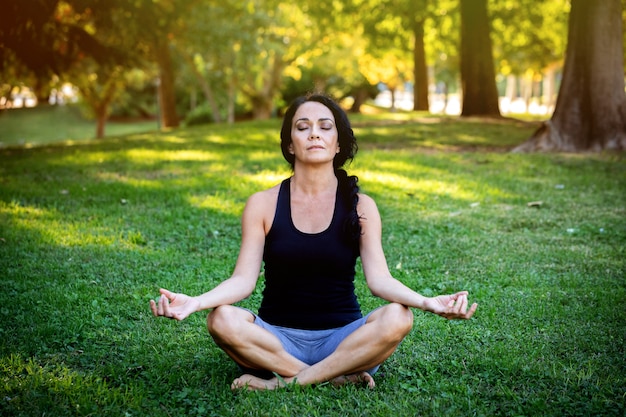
x=49, y=37
x=531, y=35
x=89, y=232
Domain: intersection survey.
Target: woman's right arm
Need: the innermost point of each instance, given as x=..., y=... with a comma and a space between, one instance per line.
x=254, y=224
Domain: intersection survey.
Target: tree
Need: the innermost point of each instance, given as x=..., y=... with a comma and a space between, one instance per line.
x=529, y=45
x=48, y=37
x=155, y=25
x=590, y=111
x=99, y=86
x=480, y=95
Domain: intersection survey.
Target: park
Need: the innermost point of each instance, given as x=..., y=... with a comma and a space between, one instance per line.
x=140, y=184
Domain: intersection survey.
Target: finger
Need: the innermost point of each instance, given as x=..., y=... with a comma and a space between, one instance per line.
x=463, y=304
x=471, y=311
x=458, y=305
x=161, y=306
x=167, y=294
x=166, y=307
x=153, y=307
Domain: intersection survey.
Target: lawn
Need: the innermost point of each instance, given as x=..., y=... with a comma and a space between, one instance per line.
x=53, y=124
x=90, y=230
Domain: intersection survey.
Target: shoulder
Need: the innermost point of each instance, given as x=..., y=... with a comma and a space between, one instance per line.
x=265, y=197
x=366, y=204
x=261, y=206
x=368, y=212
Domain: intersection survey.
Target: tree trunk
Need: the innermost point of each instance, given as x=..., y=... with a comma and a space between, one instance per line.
x=478, y=80
x=526, y=89
x=549, y=88
x=167, y=93
x=511, y=88
x=263, y=98
x=262, y=107
x=420, y=70
x=590, y=112
x=101, y=120
x=232, y=99
x=206, y=88
x=360, y=95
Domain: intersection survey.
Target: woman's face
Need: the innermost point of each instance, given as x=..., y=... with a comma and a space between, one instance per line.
x=314, y=137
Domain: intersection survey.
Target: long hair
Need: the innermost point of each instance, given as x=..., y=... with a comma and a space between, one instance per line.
x=345, y=135
x=348, y=184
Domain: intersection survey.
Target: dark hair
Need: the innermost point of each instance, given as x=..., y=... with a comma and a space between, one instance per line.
x=348, y=184
x=345, y=135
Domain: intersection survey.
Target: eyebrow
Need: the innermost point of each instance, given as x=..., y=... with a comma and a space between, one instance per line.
x=306, y=119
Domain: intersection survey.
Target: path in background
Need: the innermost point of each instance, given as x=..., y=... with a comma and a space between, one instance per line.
x=404, y=101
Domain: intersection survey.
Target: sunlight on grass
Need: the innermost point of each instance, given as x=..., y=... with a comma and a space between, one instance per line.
x=218, y=203
x=473, y=139
x=261, y=156
x=52, y=230
x=387, y=181
x=268, y=179
x=152, y=156
x=17, y=211
x=89, y=232
x=56, y=388
x=67, y=234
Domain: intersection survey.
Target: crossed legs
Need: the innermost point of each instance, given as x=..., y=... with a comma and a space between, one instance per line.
x=251, y=346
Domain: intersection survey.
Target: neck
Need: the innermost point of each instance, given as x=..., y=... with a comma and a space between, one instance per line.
x=314, y=181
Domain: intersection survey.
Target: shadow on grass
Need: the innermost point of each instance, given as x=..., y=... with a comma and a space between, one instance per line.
x=92, y=230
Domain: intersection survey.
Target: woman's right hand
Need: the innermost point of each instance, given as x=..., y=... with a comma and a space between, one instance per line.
x=174, y=306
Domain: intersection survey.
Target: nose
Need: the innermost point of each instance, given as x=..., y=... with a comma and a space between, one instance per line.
x=314, y=134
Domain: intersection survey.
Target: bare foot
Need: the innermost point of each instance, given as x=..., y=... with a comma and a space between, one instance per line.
x=253, y=383
x=355, y=379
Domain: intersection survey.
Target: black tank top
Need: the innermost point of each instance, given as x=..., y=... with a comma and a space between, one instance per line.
x=309, y=278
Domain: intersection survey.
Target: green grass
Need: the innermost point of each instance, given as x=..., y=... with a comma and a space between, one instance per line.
x=50, y=124
x=90, y=230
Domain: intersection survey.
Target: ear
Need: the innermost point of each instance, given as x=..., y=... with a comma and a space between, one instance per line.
x=291, y=148
x=338, y=149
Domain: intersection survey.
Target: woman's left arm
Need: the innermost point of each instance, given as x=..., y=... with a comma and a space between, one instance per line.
x=382, y=284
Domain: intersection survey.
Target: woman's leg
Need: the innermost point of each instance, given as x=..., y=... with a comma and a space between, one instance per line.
x=363, y=349
x=249, y=345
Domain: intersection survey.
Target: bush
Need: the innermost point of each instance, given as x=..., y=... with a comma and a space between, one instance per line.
x=199, y=116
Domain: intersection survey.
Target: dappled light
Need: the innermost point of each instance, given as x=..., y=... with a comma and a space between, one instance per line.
x=90, y=231
x=423, y=189
x=266, y=179
x=132, y=134
x=219, y=203
x=149, y=156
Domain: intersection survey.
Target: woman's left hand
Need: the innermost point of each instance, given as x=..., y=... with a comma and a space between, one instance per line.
x=453, y=306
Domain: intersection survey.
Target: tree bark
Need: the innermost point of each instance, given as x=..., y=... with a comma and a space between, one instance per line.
x=478, y=80
x=360, y=94
x=420, y=70
x=263, y=99
x=590, y=112
x=167, y=92
x=101, y=120
x=549, y=87
x=206, y=88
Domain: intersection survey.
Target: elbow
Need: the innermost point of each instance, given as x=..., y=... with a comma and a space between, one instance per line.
x=376, y=290
x=246, y=288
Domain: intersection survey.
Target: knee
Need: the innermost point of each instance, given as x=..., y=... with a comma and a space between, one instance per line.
x=222, y=320
x=398, y=320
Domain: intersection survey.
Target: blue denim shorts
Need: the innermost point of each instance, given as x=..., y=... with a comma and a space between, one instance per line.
x=312, y=346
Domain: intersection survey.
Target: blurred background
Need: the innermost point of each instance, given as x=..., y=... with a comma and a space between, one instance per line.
x=187, y=62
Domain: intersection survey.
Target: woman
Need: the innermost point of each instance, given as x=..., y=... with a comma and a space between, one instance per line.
x=309, y=231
